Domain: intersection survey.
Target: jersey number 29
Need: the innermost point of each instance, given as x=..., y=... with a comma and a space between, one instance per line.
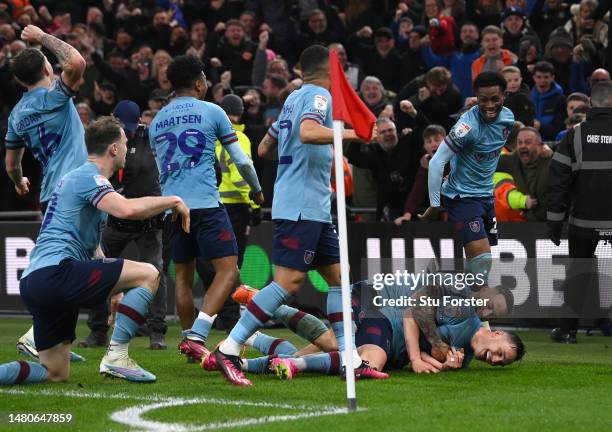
x=195, y=151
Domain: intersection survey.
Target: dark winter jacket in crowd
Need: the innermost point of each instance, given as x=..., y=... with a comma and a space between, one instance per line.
x=459, y=63
x=521, y=105
x=550, y=111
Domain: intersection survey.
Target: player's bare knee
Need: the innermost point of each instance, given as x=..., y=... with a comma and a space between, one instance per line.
x=327, y=342
x=151, y=278
x=57, y=376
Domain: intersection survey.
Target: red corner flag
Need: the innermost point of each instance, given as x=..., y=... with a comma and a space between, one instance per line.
x=347, y=106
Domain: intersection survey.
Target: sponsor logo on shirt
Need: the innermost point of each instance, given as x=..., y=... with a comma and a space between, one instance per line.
x=460, y=130
x=320, y=103
x=101, y=180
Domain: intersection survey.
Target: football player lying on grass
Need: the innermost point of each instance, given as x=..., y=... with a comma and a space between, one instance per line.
x=380, y=335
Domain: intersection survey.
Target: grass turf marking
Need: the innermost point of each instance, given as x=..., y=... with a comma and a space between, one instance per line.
x=132, y=416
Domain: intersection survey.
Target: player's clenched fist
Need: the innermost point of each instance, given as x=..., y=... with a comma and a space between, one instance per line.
x=181, y=209
x=23, y=187
x=439, y=352
x=32, y=34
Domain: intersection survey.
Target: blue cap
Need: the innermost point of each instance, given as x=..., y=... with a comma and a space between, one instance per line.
x=128, y=112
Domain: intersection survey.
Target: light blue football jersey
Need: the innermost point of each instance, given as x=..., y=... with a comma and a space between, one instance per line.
x=47, y=122
x=183, y=136
x=477, y=145
x=453, y=319
x=303, y=180
x=460, y=334
x=73, y=224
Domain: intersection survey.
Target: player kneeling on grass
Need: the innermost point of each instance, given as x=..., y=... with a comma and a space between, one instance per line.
x=68, y=271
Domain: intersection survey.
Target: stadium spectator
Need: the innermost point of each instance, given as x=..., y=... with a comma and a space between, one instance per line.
x=353, y=71
x=86, y=114
x=483, y=12
x=157, y=99
x=249, y=23
x=401, y=27
x=494, y=57
x=558, y=52
x=272, y=87
x=275, y=17
x=581, y=23
x=576, y=108
x=381, y=59
x=376, y=99
x=518, y=98
x=147, y=117
x=268, y=64
x=528, y=166
x=549, y=101
x=454, y=8
x=530, y=52
x=158, y=33
x=235, y=53
x=460, y=61
x=417, y=200
x=105, y=98
x=124, y=42
x=178, y=40
x=394, y=161
x=441, y=29
x=414, y=63
x=515, y=28
x=198, y=36
x=117, y=71
x=547, y=15
x=161, y=58
x=579, y=84
x=435, y=95
x=317, y=31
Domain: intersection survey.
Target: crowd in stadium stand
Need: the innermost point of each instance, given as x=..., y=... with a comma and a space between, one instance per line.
x=412, y=62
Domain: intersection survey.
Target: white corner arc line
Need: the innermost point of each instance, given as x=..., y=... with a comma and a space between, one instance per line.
x=133, y=417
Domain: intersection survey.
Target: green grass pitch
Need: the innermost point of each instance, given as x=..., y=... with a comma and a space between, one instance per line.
x=555, y=388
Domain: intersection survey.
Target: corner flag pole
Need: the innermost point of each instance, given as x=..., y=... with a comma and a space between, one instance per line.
x=344, y=268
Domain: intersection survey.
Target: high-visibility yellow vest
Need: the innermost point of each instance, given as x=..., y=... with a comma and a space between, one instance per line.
x=233, y=188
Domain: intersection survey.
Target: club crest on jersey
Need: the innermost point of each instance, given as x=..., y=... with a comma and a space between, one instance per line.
x=101, y=180
x=474, y=226
x=506, y=132
x=320, y=103
x=460, y=130
x=309, y=256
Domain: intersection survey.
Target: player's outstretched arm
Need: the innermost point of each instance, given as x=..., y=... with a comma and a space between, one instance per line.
x=12, y=161
x=436, y=170
x=144, y=208
x=312, y=132
x=72, y=63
